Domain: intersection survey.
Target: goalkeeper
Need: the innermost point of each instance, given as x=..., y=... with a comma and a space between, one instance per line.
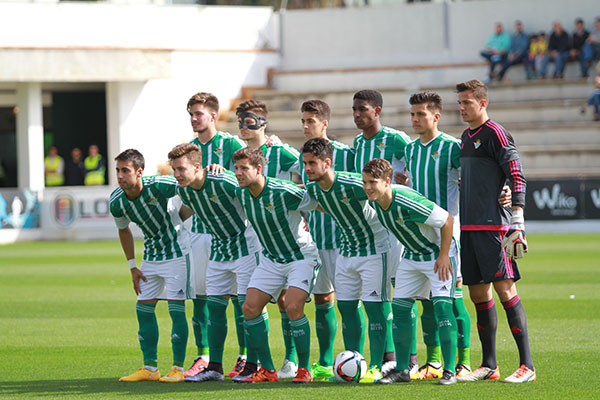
x=492, y=237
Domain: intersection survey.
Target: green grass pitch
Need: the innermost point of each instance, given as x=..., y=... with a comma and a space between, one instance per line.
x=68, y=330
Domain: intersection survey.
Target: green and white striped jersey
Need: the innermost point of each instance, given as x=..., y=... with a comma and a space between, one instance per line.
x=388, y=144
x=322, y=226
x=434, y=170
x=281, y=161
x=217, y=206
x=218, y=150
x=276, y=219
x=346, y=202
x=415, y=221
x=157, y=214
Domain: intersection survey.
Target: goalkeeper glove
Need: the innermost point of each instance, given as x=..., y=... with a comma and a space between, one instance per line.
x=514, y=242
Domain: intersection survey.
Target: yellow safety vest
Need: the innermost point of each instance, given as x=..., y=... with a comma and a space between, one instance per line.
x=93, y=176
x=54, y=178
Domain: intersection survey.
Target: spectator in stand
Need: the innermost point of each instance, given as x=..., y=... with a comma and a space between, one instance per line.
x=74, y=169
x=529, y=61
x=594, y=99
x=94, y=167
x=519, y=45
x=582, y=50
x=54, y=167
x=594, y=39
x=496, y=49
x=558, y=51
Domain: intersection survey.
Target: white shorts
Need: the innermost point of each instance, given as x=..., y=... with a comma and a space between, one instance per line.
x=200, y=243
x=417, y=280
x=271, y=277
x=168, y=280
x=230, y=277
x=326, y=278
x=363, y=278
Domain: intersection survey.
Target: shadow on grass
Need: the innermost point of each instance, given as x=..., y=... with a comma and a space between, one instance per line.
x=99, y=386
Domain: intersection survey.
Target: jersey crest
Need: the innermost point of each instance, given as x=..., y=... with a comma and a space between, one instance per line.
x=152, y=201
x=218, y=152
x=214, y=198
x=435, y=156
x=270, y=208
x=477, y=143
x=345, y=200
x=380, y=146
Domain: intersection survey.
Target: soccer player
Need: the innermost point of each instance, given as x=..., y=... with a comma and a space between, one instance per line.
x=234, y=246
x=281, y=160
x=433, y=167
x=149, y=203
x=361, y=268
x=492, y=237
x=425, y=230
x=217, y=148
x=289, y=259
x=378, y=141
x=315, y=120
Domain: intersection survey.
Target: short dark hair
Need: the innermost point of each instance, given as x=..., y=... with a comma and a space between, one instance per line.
x=258, y=107
x=579, y=21
x=379, y=168
x=480, y=91
x=373, y=97
x=432, y=99
x=318, y=107
x=255, y=156
x=208, y=99
x=188, y=150
x=319, y=147
x=136, y=158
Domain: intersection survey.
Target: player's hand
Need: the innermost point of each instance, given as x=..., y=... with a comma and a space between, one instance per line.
x=272, y=140
x=215, y=168
x=505, y=198
x=514, y=241
x=443, y=267
x=136, y=275
x=401, y=178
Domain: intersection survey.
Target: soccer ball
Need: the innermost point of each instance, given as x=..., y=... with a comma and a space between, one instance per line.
x=349, y=366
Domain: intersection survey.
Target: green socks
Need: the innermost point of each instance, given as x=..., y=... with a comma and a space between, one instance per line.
x=290, y=347
x=200, y=324
x=300, y=331
x=447, y=330
x=237, y=302
x=463, y=323
x=403, y=331
x=430, y=333
x=353, y=326
x=258, y=340
x=377, y=331
x=148, y=332
x=389, y=338
x=217, y=327
x=179, y=332
x=326, y=327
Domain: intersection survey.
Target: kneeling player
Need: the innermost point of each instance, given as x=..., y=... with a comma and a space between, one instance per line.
x=149, y=203
x=425, y=267
x=289, y=259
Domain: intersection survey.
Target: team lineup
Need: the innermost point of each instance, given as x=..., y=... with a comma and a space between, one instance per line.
x=369, y=228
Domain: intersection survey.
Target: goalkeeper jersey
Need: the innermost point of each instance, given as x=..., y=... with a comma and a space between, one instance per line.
x=218, y=150
x=388, y=144
x=346, y=202
x=157, y=215
x=322, y=226
x=415, y=221
x=217, y=206
x=275, y=217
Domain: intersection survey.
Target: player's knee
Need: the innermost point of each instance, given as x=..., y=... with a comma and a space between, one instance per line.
x=324, y=298
x=250, y=310
x=294, y=310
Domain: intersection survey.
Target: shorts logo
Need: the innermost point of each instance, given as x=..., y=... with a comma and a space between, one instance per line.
x=218, y=152
x=305, y=282
x=444, y=288
x=270, y=208
x=380, y=146
x=180, y=291
x=477, y=143
x=435, y=156
x=214, y=198
x=498, y=274
x=152, y=201
x=374, y=294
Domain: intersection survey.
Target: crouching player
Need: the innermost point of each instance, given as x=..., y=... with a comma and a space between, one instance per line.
x=149, y=202
x=426, y=264
x=234, y=246
x=289, y=259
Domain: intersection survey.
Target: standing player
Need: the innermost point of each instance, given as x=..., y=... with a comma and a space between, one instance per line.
x=148, y=202
x=315, y=120
x=289, y=259
x=217, y=148
x=433, y=167
x=425, y=230
x=378, y=141
x=281, y=160
x=361, y=268
x=491, y=236
x=234, y=246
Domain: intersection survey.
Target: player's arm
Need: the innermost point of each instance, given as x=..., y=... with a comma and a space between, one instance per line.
x=128, y=246
x=185, y=212
x=443, y=266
